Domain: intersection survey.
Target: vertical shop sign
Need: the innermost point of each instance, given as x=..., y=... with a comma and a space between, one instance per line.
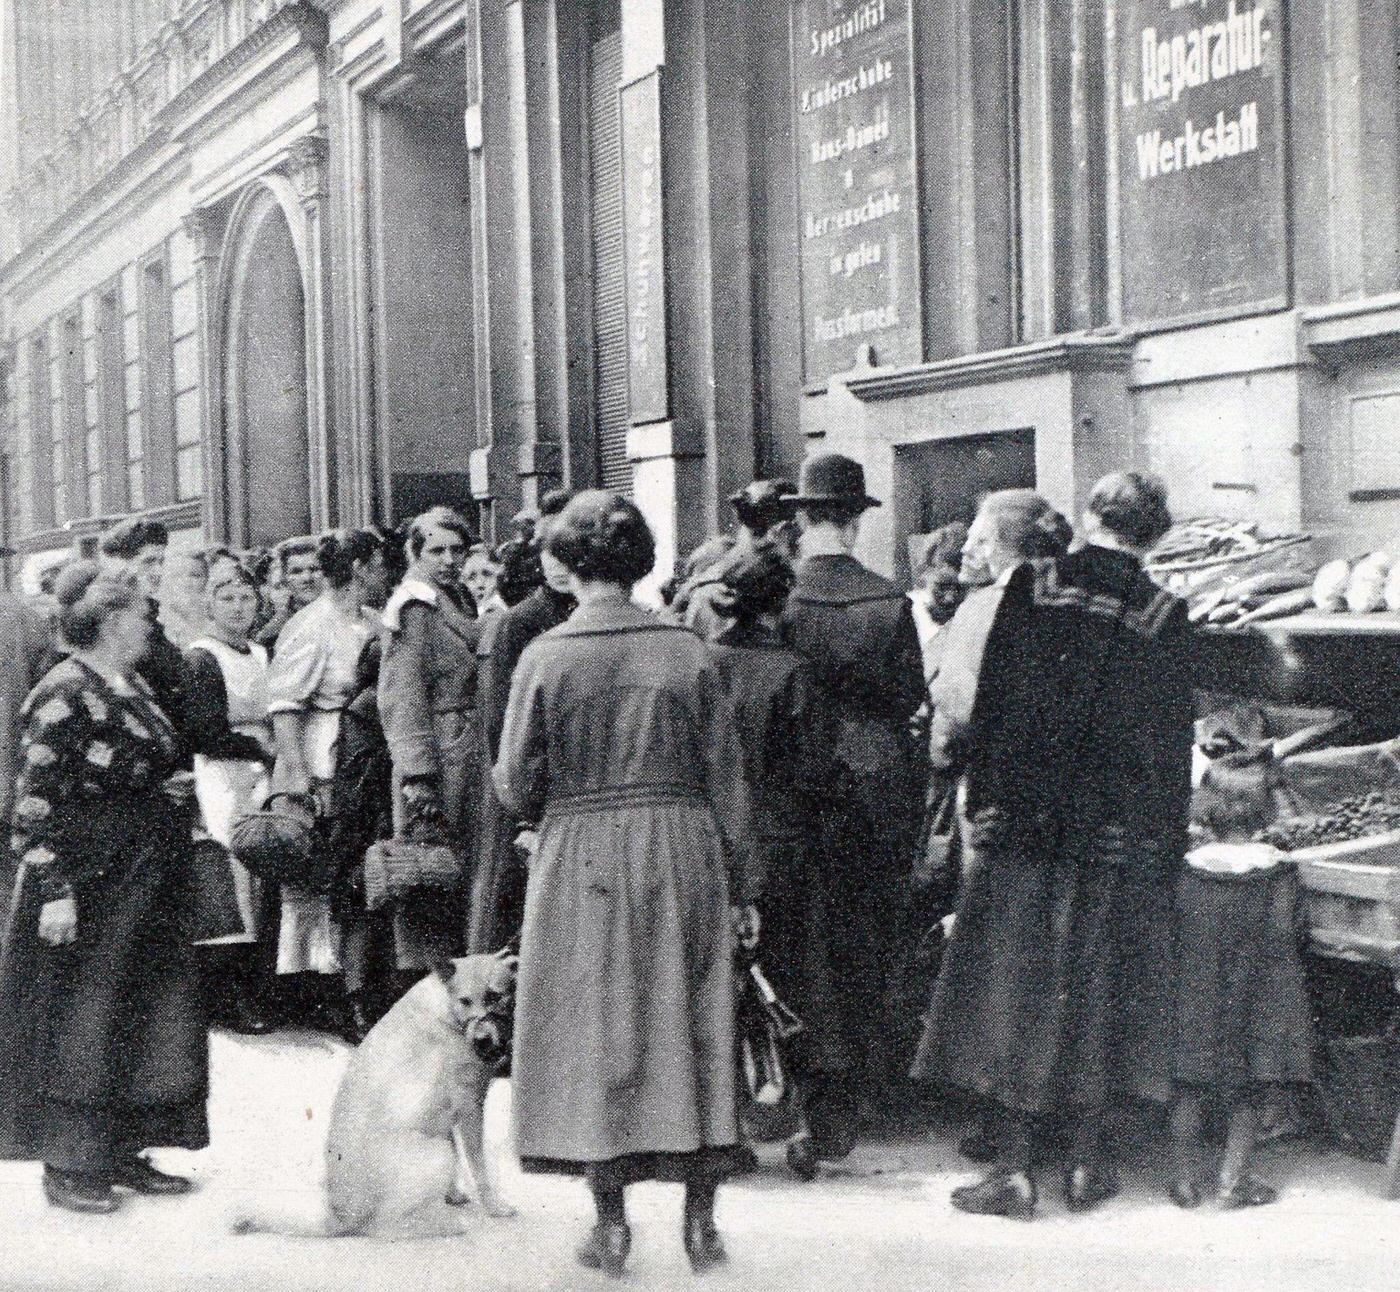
x=643, y=242
x=1201, y=157
x=858, y=205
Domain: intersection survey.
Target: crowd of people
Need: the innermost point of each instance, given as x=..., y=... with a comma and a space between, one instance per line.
x=790, y=755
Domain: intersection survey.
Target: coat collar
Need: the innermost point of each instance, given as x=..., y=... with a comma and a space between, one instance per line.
x=840, y=580
x=614, y=615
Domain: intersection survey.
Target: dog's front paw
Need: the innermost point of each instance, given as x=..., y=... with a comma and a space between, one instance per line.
x=500, y=1209
x=457, y=1196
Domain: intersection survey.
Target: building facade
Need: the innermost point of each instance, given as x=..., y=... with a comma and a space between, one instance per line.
x=274, y=266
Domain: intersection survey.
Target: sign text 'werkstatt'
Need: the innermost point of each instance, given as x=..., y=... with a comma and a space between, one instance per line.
x=1201, y=156
x=856, y=184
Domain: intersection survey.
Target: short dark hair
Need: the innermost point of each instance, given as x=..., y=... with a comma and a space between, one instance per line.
x=87, y=597
x=440, y=518
x=830, y=513
x=554, y=501
x=1133, y=506
x=603, y=536
x=521, y=572
x=758, y=583
x=339, y=551
x=127, y=539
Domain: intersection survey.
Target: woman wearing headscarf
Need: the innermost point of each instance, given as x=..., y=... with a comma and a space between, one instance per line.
x=103, y=1040
x=1071, y=706
x=619, y=740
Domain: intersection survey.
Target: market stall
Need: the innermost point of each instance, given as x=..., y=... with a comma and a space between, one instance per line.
x=1316, y=675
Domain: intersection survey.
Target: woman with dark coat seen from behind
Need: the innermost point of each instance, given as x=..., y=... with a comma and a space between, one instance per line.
x=787, y=739
x=1071, y=706
x=103, y=1039
x=619, y=740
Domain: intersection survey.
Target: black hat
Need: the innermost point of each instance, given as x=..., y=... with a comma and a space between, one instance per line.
x=764, y=503
x=833, y=478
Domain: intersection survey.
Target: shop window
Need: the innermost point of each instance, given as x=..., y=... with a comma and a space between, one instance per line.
x=1375, y=454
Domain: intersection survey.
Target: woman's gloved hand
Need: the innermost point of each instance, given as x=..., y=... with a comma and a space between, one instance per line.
x=422, y=803
x=58, y=922
x=745, y=923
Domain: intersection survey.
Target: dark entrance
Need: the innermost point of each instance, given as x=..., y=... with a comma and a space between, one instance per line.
x=940, y=481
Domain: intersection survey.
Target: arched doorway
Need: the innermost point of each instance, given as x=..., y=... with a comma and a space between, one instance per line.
x=267, y=457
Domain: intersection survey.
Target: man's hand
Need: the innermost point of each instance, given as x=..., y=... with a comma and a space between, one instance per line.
x=58, y=922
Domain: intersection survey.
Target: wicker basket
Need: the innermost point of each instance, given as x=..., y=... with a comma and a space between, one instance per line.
x=396, y=868
x=282, y=843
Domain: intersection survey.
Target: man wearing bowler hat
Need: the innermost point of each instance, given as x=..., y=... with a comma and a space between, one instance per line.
x=856, y=630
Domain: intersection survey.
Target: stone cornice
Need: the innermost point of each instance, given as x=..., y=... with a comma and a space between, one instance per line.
x=1107, y=351
x=1351, y=330
x=204, y=45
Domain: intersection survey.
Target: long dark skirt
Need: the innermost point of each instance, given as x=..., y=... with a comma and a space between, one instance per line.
x=1243, y=1013
x=1058, y=984
x=104, y=1044
x=497, y=903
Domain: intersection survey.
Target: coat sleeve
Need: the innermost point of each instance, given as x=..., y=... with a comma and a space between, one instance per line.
x=724, y=782
x=205, y=708
x=405, y=707
x=521, y=773
x=904, y=667
x=296, y=670
x=953, y=693
x=501, y=645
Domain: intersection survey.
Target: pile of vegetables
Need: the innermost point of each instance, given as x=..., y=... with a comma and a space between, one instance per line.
x=1358, y=816
x=1368, y=585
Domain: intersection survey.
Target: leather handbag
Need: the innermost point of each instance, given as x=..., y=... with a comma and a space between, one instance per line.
x=767, y=1027
x=283, y=843
x=398, y=868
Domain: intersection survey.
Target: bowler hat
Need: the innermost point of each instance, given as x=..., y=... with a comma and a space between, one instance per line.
x=833, y=478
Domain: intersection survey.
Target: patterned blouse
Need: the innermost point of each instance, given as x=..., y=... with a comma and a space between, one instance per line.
x=87, y=750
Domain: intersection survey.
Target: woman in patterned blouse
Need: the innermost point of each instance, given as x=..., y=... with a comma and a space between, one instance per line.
x=103, y=1043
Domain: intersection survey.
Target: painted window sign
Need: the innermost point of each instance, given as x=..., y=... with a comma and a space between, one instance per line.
x=1200, y=156
x=856, y=184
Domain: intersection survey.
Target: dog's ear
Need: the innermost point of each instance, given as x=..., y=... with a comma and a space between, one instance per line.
x=445, y=970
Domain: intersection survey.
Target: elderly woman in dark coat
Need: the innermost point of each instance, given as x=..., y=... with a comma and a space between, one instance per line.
x=619, y=740
x=427, y=703
x=1070, y=697
x=103, y=1041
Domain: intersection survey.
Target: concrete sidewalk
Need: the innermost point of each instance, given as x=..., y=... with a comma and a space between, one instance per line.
x=881, y=1220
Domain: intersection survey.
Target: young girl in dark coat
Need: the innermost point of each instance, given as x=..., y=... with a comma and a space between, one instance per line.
x=1244, y=1023
x=786, y=745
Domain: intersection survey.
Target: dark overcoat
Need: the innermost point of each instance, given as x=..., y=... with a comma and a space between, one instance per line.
x=787, y=745
x=620, y=742
x=498, y=886
x=856, y=631
x=1057, y=985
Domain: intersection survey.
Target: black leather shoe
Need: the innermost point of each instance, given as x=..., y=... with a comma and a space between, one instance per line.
x=1246, y=1192
x=1087, y=1186
x=606, y=1247
x=802, y=1157
x=82, y=1193
x=997, y=1195
x=137, y=1174
x=703, y=1244
x=1186, y=1194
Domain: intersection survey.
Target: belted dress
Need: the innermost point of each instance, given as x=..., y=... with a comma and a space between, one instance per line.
x=619, y=740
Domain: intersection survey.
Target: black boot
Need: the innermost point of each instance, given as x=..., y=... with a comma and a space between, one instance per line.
x=73, y=1191
x=699, y=1236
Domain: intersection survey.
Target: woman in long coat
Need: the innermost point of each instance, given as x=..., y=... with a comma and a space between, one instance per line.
x=427, y=704
x=619, y=740
x=1070, y=696
x=103, y=1040
x=787, y=740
